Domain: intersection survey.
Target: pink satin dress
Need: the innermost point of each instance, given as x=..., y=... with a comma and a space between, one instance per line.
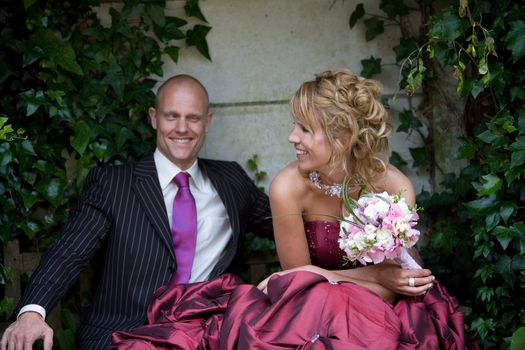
x=302, y=310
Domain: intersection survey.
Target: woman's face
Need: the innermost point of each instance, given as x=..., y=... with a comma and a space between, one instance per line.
x=312, y=149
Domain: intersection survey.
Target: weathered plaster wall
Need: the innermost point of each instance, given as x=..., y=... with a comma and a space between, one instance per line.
x=262, y=50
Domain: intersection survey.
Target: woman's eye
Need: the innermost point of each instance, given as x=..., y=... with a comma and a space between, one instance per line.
x=304, y=129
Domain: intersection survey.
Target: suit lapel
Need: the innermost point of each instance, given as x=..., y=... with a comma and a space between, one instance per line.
x=150, y=196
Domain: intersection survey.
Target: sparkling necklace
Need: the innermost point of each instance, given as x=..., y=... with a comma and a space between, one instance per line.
x=331, y=190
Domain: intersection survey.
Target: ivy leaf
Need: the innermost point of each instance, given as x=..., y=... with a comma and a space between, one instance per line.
x=506, y=210
x=27, y=148
x=173, y=52
x=518, y=152
x=30, y=228
x=65, y=339
x=518, y=339
x=67, y=59
x=192, y=9
x=99, y=149
x=420, y=156
x=405, y=47
x=504, y=236
x=371, y=66
x=197, y=37
x=449, y=27
x=491, y=184
x=80, y=139
x=358, y=13
x=408, y=121
x=6, y=156
x=492, y=220
x=172, y=31
x=504, y=267
x=374, y=27
x=52, y=190
x=46, y=40
x=488, y=136
x=514, y=39
x=29, y=3
x=29, y=197
x=517, y=92
x=467, y=149
x=397, y=160
x=483, y=205
x=394, y=8
x=156, y=13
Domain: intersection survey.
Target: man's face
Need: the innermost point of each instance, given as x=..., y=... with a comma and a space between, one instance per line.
x=181, y=119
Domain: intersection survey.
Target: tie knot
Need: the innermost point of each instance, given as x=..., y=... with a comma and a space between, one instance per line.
x=182, y=179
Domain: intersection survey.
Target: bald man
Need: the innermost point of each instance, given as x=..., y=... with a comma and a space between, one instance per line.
x=127, y=211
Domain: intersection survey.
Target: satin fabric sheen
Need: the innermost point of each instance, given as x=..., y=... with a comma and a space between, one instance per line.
x=302, y=310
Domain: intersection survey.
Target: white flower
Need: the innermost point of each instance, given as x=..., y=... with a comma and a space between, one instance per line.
x=360, y=240
x=403, y=206
x=401, y=226
x=384, y=238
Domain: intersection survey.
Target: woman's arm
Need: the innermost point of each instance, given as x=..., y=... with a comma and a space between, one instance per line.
x=288, y=226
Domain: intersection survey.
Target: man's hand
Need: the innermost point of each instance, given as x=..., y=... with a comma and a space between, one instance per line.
x=28, y=328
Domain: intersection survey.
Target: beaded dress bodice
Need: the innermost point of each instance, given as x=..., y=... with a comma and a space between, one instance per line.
x=322, y=239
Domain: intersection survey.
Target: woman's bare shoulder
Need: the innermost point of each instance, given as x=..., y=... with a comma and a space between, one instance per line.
x=288, y=181
x=394, y=181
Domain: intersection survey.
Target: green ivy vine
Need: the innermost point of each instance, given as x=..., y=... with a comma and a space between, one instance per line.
x=476, y=228
x=76, y=91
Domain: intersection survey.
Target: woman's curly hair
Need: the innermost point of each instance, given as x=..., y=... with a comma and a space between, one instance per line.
x=347, y=106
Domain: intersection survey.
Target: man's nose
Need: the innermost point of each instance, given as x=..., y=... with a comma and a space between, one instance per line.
x=181, y=125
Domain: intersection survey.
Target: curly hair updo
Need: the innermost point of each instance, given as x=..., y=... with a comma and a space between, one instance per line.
x=348, y=108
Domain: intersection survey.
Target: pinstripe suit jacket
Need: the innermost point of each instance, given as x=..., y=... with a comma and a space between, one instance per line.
x=122, y=211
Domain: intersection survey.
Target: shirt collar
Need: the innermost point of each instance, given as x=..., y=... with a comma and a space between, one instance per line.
x=166, y=171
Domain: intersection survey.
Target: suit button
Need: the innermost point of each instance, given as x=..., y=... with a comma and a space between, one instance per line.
x=171, y=269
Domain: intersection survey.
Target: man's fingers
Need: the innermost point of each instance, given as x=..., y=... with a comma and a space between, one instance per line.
x=48, y=340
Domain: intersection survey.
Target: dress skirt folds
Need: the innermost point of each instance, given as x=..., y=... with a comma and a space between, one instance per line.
x=301, y=311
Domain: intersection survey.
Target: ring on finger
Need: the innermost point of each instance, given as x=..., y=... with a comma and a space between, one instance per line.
x=411, y=281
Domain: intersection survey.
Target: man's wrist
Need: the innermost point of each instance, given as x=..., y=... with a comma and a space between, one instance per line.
x=34, y=308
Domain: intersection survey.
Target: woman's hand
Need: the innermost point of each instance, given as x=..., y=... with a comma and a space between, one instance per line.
x=329, y=275
x=403, y=281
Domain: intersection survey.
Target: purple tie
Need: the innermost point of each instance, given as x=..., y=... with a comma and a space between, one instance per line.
x=183, y=228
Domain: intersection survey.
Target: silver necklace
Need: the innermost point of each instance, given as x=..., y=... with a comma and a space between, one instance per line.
x=331, y=190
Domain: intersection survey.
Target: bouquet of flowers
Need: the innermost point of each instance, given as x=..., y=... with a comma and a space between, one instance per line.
x=378, y=227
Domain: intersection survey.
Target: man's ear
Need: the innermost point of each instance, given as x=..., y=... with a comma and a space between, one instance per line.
x=208, y=121
x=153, y=117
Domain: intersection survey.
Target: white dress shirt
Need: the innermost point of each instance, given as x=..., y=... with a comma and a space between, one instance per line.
x=213, y=225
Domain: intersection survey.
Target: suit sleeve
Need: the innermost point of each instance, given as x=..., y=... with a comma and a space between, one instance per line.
x=260, y=220
x=82, y=235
